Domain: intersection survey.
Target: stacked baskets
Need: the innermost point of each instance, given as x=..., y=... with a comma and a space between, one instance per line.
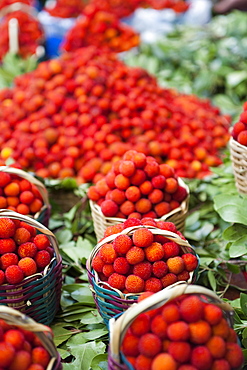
x=176, y=216
x=119, y=325
x=38, y=295
x=44, y=214
x=20, y=321
x=238, y=154
x=111, y=301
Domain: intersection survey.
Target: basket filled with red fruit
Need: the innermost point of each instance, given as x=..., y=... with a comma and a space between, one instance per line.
x=134, y=257
x=30, y=267
x=238, y=151
x=182, y=327
x=138, y=186
x=22, y=192
x=26, y=344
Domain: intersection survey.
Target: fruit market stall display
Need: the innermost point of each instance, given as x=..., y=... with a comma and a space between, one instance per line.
x=21, y=32
x=102, y=29
x=31, y=267
x=74, y=115
x=238, y=149
x=184, y=326
x=137, y=186
x=134, y=257
x=208, y=60
x=23, y=193
x=25, y=343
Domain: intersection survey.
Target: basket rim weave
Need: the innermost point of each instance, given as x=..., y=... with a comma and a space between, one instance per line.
x=27, y=176
x=8, y=213
x=183, y=208
x=129, y=231
x=119, y=324
x=43, y=332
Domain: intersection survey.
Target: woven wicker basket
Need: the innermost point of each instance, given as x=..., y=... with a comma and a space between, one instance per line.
x=238, y=155
x=38, y=295
x=44, y=333
x=177, y=216
x=62, y=199
x=118, y=325
x=111, y=302
x=44, y=214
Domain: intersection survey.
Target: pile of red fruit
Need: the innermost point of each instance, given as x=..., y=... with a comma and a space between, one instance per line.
x=10, y=2
x=102, y=29
x=184, y=334
x=30, y=34
x=138, y=186
x=179, y=6
x=141, y=260
x=23, y=252
x=121, y=8
x=239, y=131
x=65, y=8
x=21, y=349
x=19, y=194
x=75, y=115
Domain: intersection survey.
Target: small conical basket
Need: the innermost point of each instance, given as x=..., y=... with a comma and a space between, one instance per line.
x=238, y=156
x=177, y=216
x=44, y=214
x=111, y=301
x=118, y=325
x=17, y=319
x=38, y=295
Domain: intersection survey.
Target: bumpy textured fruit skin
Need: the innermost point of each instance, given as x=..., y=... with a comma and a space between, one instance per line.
x=178, y=336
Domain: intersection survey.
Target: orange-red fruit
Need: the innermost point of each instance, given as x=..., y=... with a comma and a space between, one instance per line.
x=178, y=331
x=162, y=208
x=175, y=264
x=221, y=329
x=7, y=352
x=142, y=238
x=114, y=229
x=154, y=252
x=7, y=228
x=142, y=363
x=133, y=194
x=200, y=332
x=143, y=269
x=127, y=168
x=171, y=249
x=108, y=270
x=28, y=249
x=26, y=197
x=22, y=235
x=98, y=263
x=141, y=325
x=35, y=367
x=201, y=358
x=28, y=266
x=169, y=279
x=191, y=309
x=41, y=241
x=7, y=245
x=190, y=261
x=15, y=338
x=159, y=269
x=143, y=205
x=8, y=259
x=130, y=345
x=221, y=364
x=234, y=355
x=21, y=360
x=135, y=255
x=164, y=361
x=216, y=346
x=122, y=243
x=117, y=196
x=107, y=253
x=40, y=356
x=153, y=285
x=117, y=281
x=212, y=314
x=109, y=208
x=180, y=351
x=121, y=265
x=134, y=284
x=159, y=326
x=150, y=345
x=14, y=274
x=42, y=259
x=5, y=179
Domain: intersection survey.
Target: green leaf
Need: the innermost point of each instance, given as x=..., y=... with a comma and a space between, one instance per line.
x=99, y=362
x=231, y=209
x=83, y=295
x=212, y=280
x=235, y=269
x=64, y=236
x=91, y=318
x=243, y=302
x=239, y=247
x=235, y=78
x=63, y=353
x=95, y=334
x=233, y=232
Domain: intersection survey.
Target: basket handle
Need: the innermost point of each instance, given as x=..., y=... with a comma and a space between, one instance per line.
x=15, y=317
x=119, y=327
x=30, y=221
x=27, y=176
x=18, y=6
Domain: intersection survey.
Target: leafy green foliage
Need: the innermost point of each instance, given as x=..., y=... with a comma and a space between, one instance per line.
x=209, y=61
